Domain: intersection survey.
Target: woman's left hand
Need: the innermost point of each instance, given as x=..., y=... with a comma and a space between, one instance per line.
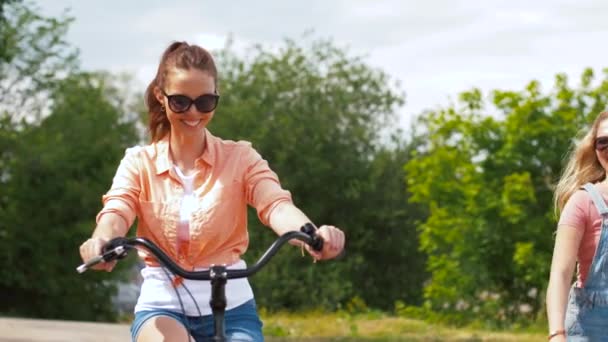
x=333, y=243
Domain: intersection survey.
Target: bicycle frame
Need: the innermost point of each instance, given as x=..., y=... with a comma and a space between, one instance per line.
x=118, y=248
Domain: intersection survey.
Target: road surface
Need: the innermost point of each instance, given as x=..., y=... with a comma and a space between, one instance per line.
x=34, y=330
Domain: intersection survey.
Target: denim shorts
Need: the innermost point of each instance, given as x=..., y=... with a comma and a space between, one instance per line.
x=585, y=320
x=242, y=323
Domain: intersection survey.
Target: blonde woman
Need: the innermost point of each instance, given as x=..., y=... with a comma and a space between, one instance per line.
x=579, y=312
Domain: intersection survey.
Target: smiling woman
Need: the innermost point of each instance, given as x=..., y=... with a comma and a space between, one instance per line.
x=184, y=73
x=190, y=191
x=186, y=87
x=580, y=312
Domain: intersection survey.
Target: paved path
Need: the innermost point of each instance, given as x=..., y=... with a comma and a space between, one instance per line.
x=34, y=330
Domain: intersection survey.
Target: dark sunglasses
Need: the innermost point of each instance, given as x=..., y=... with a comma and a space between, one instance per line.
x=181, y=103
x=601, y=143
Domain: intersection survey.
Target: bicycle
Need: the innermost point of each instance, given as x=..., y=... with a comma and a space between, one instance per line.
x=118, y=248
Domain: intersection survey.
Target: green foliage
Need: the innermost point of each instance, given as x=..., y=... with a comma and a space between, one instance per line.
x=487, y=182
x=356, y=305
x=51, y=195
x=33, y=55
x=4, y=39
x=316, y=114
x=62, y=134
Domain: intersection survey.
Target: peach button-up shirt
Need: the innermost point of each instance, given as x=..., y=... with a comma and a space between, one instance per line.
x=231, y=175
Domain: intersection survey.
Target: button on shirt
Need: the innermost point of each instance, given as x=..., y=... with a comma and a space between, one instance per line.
x=230, y=175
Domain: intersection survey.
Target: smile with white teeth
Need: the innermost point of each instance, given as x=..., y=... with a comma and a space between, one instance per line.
x=191, y=123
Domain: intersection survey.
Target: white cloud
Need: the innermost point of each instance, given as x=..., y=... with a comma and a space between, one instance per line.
x=437, y=48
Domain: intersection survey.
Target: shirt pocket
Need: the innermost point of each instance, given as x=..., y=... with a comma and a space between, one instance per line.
x=218, y=212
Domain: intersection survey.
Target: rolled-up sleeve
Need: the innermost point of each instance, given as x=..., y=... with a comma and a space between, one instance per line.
x=263, y=189
x=123, y=195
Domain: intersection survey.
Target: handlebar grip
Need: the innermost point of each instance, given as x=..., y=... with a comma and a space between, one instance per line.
x=90, y=263
x=317, y=241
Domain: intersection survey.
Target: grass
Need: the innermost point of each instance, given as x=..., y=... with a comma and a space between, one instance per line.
x=375, y=327
x=316, y=326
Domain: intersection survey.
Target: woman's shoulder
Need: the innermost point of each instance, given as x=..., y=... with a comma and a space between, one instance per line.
x=228, y=145
x=580, y=198
x=580, y=193
x=136, y=152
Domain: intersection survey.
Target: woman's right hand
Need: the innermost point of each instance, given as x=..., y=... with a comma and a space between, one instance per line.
x=92, y=248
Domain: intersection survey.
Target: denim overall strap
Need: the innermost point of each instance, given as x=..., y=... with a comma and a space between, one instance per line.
x=598, y=273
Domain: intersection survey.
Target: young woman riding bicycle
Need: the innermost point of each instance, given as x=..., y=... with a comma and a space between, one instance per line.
x=190, y=191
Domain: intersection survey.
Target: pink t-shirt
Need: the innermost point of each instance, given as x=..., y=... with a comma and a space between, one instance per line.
x=580, y=213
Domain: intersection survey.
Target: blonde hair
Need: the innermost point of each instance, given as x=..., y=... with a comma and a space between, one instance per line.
x=582, y=167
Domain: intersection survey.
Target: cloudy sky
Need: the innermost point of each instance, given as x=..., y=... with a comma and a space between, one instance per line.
x=436, y=48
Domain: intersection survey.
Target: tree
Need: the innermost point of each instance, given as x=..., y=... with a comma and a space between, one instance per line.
x=391, y=267
x=33, y=55
x=487, y=181
x=317, y=114
x=54, y=191
x=62, y=134
x=4, y=3
x=3, y=25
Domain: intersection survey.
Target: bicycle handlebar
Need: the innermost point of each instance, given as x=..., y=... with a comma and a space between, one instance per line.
x=118, y=248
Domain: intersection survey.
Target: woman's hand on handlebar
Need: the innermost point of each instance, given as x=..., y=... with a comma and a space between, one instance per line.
x=333, y=245
x=93, y=248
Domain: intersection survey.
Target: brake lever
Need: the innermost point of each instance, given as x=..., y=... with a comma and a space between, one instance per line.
x=113, y=244
x=117, y=252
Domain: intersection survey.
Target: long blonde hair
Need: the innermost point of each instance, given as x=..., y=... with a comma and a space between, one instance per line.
x=583, y=166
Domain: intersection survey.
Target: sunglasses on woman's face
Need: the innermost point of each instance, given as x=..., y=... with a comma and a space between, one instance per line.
x=601, y=143
x=181, y=103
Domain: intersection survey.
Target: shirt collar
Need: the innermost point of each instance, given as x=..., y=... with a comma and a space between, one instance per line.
x=210, y=151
